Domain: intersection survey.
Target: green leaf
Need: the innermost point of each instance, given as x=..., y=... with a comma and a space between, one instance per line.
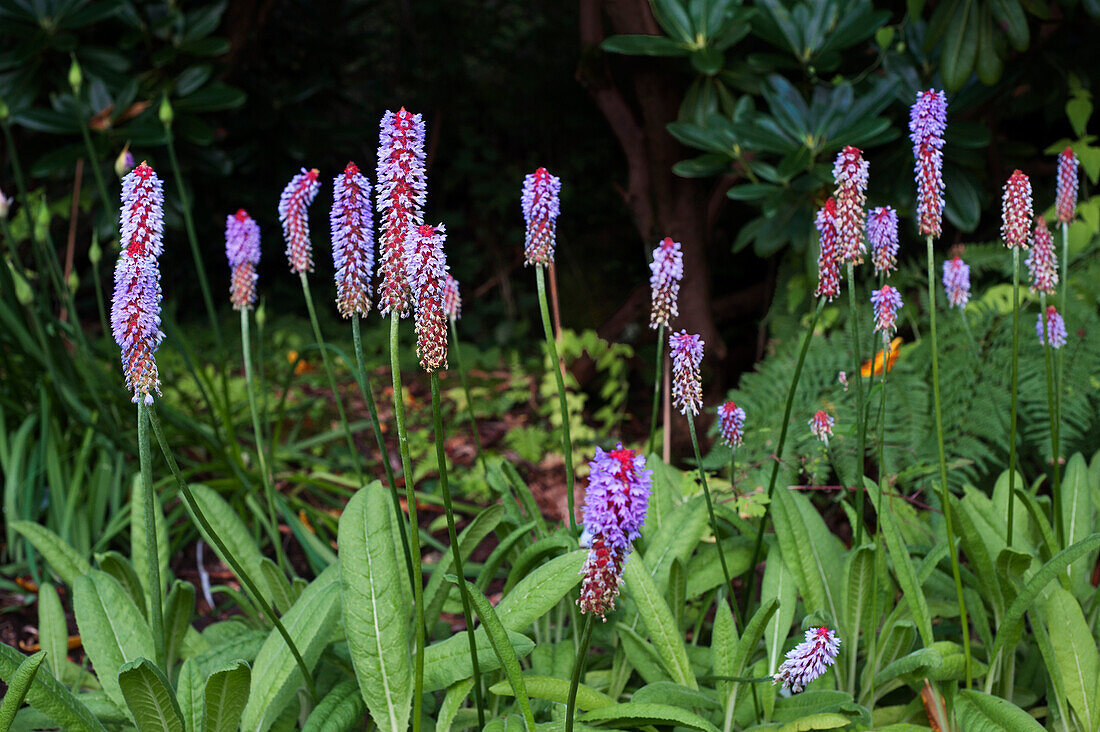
x=990, y=65
x=555, y=690
x=673, y=18
x=779, y=584
x=903, y=568
x=1010, y=16
x=669, y=692
x=339, y=711
x=977, y=553
x=282, y=596
x=708, y=61
x=225, y=697
x=149, y=697
x=659, y=622
x=112, y=628
x=809, y=549
x=230, y=529
x=375, y=618
x=677, y=538
x=454, y=699
x=1077, y=520
x=1079, y=109
x=138, y=545
x=978, y=712
x=18, y=685
x=49, y=696
x=189, y=696
x=539, y=591
x=960, y=45
x=179, y=608
x=449, y=661
x=53, y=631
x=62, y=558
x=703, y=166
x=857, y=599
x=211, y=98
x=635, y=715
x=310, y=624
x=920, y=661
x=122, y=570
x=824, y=720
x=438, y=590
x=634, y=45
x=1075, y=653
x=722, y=648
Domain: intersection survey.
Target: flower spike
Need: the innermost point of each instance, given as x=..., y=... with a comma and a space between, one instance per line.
x=242, y=249
x=1016, y=211
x=956, y=282
x=927, y=124
x=135, y=306
x=401, y=194
x=687, y=355
x=1042, y=262
x=731, y=422
x=1067, y=185
x=668, y=269
x=882, y=233
x=352, y=228
x=541, y=207
x=1056, y=328
x=427, y=271
x=828, y=256
x=808, y=660
x=294, y=215
x=887, y=302
x=851, y=172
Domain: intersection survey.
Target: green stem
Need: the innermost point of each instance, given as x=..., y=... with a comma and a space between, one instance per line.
x=452, y=534
x=414, y=526
x=93, y=161
x=331, y=377
x=230, y=558
x=710, y=512
x=1056, y=485
x=456, y=350
x=861, y=425
x=265, y=475
x=656, y=387
x=747, y=594
x=566, y=441
x=156, y=609
x=1014, y=387
x=578, y=671
x=945, y=495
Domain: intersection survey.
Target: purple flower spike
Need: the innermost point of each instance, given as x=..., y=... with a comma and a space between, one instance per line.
x=135, y=306
x=851, y=172
x=294, y=215
x=887, y=302
x=1042, y=262
x=821, y=425
x=541, y=207
x=668, y=269
x=352, y=230
x=401, y=194
x=956, y=282
x=1016, y=211
x=242, y=249
x=882, y=233
x=427, y=271
x=1067, y=185
x=615, y=505
x=731, y=421
x=452, y=300
x=808, y=660
x=1056, y=328
x=927, y=124
x=828, y=256
x=687, y=355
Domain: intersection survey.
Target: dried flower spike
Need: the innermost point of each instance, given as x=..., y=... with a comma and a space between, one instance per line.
x=401, y=194
x=828, y=256
x=615, y=506
x=927, y=124
x=1067, y=186
x=687, y=355
x=242, y=249
x=1056, y=328
x=1016, y=211
x=427, y=271
x=851, y=172
x=886, y=302
x=956, y=282
x=452, y=300
x=294, y=215
x=882, y=233
x=731, y=422
x=135, y=306
x=352, y=228
x=668, y=269
x=541, y=207
x=1042, y=262
x=808, y=660
x=821, y=425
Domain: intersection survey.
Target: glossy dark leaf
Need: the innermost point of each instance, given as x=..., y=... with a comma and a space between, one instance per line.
x=205, y=47
x=704, y=166
x=213, y=97
x=203, y=22
x=990, y=65
x=636, y=45
x=1010, y=17
x=960, y=45
x=47, y=120
x=673, y=18
x=962, y=206
x=707, y=61
x=191, y=79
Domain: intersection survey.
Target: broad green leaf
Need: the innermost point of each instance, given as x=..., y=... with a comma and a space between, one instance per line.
x=673, y=18
x=179, y=608
x=641, y=655
x=638, y=45
x=978, y=712
x=189, y=696
x=62, y=558
x=453, y=699
x=122, y=570
x=230, y=529
x=244, y=646
x=1077, y=520
x=796, y=706
x=339, y=711
x=149, y=697
x=911, y=589
x=449, y=661
x=857, y=600
x=778, y=583
x=279, y=589
x=722, y=648
x=920, y=661
x=746, y=646
x=824, y=720
x=375, y=618
x=960, y=44
x=138, y=544
x=541, y=590
x=112, y=628
x=49, y=696
x=1075, y=653
x=53, y=631
x=18, y=686
x=659, y=622
x=976, y=551
x=437, y=591
x=677, y=538
x=1057, y=691
x=310, y=623
x=555, y=690
x=535, y=555
x=810, y=550
x=669, y=692
x=225, y=697
x=633, y=715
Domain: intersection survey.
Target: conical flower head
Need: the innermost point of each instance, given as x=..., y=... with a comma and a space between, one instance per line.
x=242, y=249
x=808, y=660
x=828, y=256
x=927, y=124
x=1016, y=211
x=294, y=214
x=821, y=425
x=452, y=300
x=135, y=305
x=687, y=355
x=541, y=207
x=886, y=302
x=1067, y=186
x=427, y=272
x=1055, y=328
x=352, y=228
x=956, y=282
x=1042, y=262
x=851, y=173
x=882, y=233
x=667, y=270
x=615, y=507
x=731, y=422
x=402, y=191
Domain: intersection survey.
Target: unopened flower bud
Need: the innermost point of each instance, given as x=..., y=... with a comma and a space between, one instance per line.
x=166, y=114
x=76, y=77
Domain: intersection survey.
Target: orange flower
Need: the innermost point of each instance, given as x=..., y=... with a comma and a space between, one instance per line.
x=891, y=356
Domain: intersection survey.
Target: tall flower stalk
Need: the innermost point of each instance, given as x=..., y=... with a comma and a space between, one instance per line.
x=541, y=207
x=667, y=270
x=1066, y=206
x=927, y=125
x=452, y=308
